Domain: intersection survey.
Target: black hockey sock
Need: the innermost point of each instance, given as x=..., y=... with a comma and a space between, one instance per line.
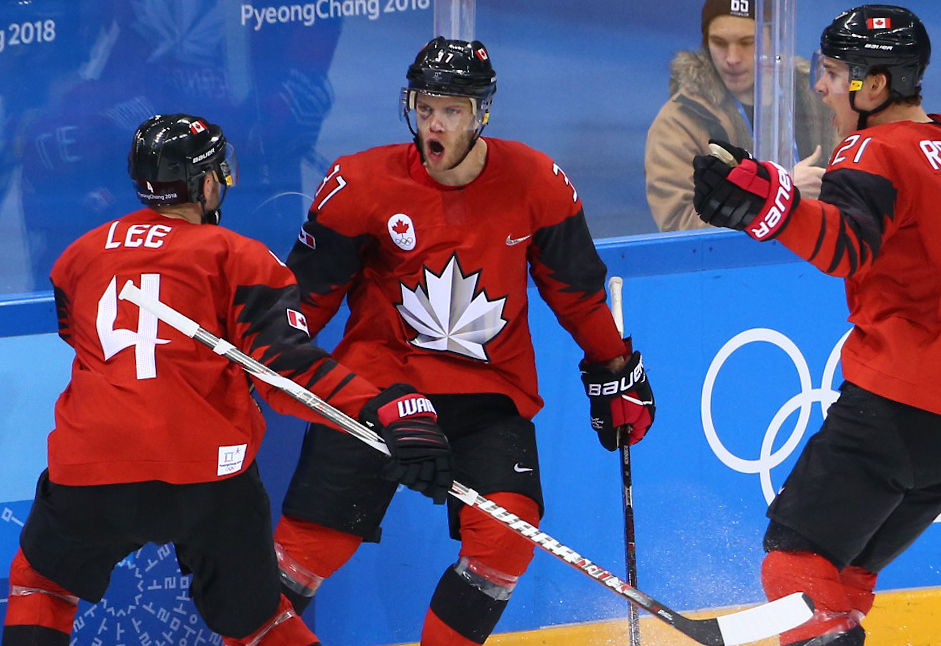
x=465, y=609
x=298, y=600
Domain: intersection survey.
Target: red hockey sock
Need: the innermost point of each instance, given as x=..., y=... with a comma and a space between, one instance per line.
x=494, y=544
x=783, y=573
x=37, y=601
x=284, y=628
x=465, y=608
x=319, y=549
x=859, y=585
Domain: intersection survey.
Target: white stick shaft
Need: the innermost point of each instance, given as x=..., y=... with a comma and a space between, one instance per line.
x=706, y=631
x=615, y=286
x=259, y=370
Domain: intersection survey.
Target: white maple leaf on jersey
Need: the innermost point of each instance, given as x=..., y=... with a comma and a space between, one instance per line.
x=449, y=317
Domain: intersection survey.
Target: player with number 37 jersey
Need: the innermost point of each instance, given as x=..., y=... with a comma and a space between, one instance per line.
x=433, y=244
x=436, y=275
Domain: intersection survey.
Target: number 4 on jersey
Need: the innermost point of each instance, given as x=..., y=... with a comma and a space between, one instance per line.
x=144, y=339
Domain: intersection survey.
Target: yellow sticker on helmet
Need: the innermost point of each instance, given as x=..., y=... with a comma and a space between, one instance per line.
x=856, y=85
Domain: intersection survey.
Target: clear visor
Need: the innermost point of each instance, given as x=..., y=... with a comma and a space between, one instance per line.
x=830, y=73
x=442, y=112
x=229, y=167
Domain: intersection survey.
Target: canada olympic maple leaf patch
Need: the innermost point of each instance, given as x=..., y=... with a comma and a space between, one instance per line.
x=402, y=231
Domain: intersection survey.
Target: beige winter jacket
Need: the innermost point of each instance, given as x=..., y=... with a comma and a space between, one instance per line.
x=699, y=109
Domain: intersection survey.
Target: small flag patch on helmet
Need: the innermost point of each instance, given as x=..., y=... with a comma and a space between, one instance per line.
x=197, y=127
x=879, y=23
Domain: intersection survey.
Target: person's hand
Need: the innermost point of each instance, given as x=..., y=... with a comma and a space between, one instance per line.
x=621, y=402
x=421, y=455
x=808, y=176
x=735, y=191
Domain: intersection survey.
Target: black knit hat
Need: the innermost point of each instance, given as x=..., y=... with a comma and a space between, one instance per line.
x=714, y=8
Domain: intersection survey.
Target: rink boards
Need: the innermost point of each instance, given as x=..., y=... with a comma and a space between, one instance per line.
x=740, y=341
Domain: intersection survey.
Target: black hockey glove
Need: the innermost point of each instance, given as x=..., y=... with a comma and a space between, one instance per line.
x=735, y=191
x=421, y=455
x=622, y=404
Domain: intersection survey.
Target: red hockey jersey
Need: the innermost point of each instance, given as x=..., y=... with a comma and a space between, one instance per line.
x=436, y=276
x=146, y=402
x=878, y=225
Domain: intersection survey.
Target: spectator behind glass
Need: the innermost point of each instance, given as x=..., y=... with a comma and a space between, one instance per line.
x=712, y=96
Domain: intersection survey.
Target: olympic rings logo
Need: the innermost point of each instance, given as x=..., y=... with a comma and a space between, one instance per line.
x=803, y=402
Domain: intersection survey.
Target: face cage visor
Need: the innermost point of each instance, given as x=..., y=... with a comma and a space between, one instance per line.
x=409, y=109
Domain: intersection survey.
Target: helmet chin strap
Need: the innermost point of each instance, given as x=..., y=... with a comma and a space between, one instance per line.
x=470, y=147
x=862, y=121
x=214, y=215
x=211, y=217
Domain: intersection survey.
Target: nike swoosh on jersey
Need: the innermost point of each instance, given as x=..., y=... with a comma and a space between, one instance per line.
x=510, y=240
x=519, y=469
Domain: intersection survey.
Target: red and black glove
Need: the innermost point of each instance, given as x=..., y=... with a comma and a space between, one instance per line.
x=735, y=191
x=622, y=403
x=421, y=455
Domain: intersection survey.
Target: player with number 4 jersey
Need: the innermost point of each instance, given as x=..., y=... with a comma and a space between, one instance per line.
x=869, y=482
x=432, y=243
x=156, y=436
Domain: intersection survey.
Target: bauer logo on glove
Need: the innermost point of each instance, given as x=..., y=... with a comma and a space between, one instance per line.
x=615, y=386
x=735, y=191
x=621, y=403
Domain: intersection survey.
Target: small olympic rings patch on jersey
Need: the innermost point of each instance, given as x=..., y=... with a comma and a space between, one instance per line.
x=402, y=231
x=772, y=452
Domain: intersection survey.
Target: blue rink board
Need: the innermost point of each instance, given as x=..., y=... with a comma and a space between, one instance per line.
x=699, y=521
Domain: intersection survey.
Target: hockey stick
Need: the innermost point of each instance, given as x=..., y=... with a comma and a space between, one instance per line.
x=741, y=627
x=615, y=285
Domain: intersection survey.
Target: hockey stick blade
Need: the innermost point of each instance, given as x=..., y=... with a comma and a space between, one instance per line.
x=741, y=627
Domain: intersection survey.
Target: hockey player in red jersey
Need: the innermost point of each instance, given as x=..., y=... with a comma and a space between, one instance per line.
x=156, y=437
x=430, y=243
x=869, y=482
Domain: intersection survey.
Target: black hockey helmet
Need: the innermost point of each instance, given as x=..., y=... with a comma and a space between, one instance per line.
x=880, y=36
x=171, y=154
x=452, y=68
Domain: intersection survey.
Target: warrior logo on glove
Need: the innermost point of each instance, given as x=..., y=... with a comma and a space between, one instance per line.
x=421, y=455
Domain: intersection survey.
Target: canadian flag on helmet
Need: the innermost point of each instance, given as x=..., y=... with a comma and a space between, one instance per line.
x=197, y=127
x=879, y=23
